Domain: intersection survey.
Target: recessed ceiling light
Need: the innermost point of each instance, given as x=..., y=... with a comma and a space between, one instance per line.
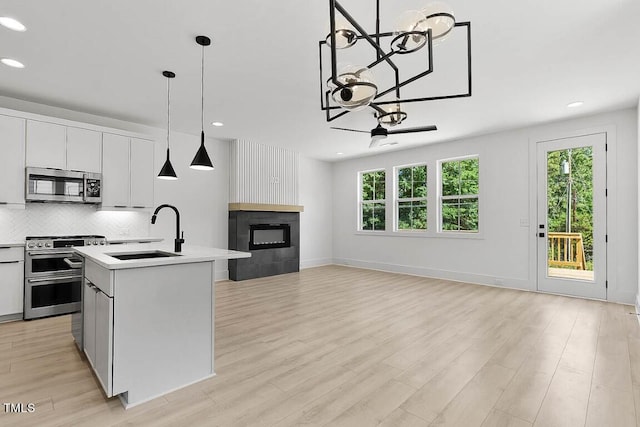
x=12, y=24
x=217, y=124
x=339, y=153
x=575, y=104
x=12, y=63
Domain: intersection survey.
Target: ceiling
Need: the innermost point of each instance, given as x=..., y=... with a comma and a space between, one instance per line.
x=530, y=59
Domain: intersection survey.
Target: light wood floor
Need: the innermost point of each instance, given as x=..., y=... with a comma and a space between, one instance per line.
x=346, y=347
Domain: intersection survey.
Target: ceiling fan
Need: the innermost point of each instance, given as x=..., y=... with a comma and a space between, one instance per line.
x=379, y=133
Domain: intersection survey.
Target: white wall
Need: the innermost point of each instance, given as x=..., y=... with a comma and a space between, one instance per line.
x=202, y=197
x=316, y=222
x=502, y=256
x=638, y=263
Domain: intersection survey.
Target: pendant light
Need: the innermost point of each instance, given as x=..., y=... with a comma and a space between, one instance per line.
x=167, y=171
x=202, y=161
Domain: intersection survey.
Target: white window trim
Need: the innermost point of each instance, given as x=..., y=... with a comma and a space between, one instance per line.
x=397, y=200
x=361, y=202
x=439, y=197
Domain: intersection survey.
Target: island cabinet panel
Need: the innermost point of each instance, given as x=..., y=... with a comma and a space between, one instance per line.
x=104, y=341
x=12, y=139
x=163, y=329
x=46, y=145
x=89, y=315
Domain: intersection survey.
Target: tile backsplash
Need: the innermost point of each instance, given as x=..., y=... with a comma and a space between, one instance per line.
x=43, y=219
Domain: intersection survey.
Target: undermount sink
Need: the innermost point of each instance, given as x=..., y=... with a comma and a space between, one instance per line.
x=142, y=255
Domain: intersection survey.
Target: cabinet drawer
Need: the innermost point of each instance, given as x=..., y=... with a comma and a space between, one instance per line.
x=99, y=276
x=8, y=254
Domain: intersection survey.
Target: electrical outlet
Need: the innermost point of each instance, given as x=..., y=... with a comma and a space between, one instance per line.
x=524, y=222
x=275, y=180
x=124, y=231
x=499, y=282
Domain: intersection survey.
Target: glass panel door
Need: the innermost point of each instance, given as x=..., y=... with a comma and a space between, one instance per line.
x=571, y=214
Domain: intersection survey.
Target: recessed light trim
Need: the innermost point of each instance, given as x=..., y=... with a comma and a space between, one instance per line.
x=575, y=104
x=12, y=24
x=12, y=63
x=339, y=153
x=217, y=124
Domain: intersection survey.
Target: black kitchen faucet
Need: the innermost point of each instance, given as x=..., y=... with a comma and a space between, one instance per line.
x=179, y=240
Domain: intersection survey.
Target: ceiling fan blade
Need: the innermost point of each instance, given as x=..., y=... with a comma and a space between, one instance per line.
x=351, y=130
x=412, y=130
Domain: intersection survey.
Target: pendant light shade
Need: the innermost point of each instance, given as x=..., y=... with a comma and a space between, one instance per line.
x=202, y=161
x=167, y=171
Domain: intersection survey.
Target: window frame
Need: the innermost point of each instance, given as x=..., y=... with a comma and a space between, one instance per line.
x=362, y=202
x=397, y=199
x=441, y=198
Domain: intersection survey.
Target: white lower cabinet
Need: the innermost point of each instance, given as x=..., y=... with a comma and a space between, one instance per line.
x=11, y=280
x=98, y=334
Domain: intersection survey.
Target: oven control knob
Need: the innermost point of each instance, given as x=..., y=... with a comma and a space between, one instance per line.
x=31, y=245
x=102, y=242
x=39, y=245
x=47, y=245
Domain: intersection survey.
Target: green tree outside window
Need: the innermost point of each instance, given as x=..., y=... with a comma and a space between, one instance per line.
x=373, y=202
x=412, y=198
x=460, y=195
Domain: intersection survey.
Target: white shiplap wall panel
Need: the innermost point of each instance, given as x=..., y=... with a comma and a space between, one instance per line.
x=263, y=174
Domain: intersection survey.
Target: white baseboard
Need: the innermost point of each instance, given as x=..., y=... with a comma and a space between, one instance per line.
x=317, y=262
x=480, y=279
x=638, y=306
x=222, y=275
x=11, y=317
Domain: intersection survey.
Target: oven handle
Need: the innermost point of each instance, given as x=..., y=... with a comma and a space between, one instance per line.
x=48, y=253
x=53, y=279
x=73, y=264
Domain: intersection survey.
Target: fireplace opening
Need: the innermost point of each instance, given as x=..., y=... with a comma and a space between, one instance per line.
x=268, y=236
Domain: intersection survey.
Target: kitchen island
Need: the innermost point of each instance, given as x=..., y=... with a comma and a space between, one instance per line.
x=148, y=317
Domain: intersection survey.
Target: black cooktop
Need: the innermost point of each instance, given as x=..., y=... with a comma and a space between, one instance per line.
x=90, y=236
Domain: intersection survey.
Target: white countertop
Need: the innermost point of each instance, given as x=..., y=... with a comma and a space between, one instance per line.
x=189, y=254
x=127, y=239
x=11, y=244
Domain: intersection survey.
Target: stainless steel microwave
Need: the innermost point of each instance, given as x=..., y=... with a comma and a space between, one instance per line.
x=62, y=186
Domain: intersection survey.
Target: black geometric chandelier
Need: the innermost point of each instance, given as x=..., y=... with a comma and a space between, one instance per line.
x=353, y=87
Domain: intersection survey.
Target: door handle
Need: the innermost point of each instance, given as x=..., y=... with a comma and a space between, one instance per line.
x=73, y=264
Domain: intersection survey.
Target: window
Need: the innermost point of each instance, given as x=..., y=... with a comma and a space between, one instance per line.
x=412, y=198
x=459, y=200
x=372, y=200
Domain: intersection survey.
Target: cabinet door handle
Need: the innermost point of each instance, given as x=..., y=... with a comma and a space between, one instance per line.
x=139, y=207
x=120, y=206
x=9, y=262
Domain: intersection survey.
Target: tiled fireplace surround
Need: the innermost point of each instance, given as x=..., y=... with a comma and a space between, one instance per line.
x=263, y=262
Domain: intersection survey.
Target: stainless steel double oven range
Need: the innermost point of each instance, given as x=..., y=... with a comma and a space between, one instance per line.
x=53, y=274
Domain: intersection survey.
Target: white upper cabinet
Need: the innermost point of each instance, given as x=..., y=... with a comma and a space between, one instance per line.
x=115, y=171
x=12, y=160
x=127, y=172
x=60, y=147
x=84, y=150
x=46, y=145
x=142, y=162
